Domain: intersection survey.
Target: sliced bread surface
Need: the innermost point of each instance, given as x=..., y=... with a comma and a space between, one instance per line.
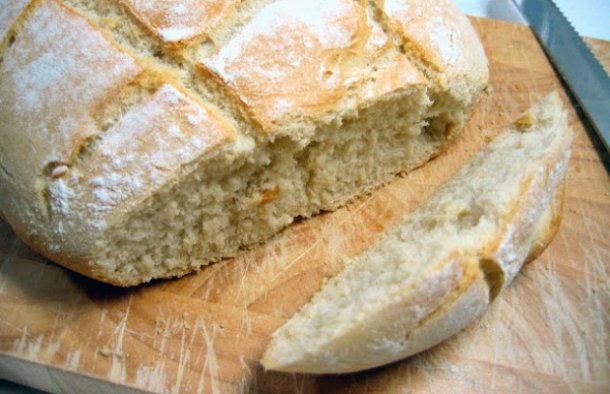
x=435, y=272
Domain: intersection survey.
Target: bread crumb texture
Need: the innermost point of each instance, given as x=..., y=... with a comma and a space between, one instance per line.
x=144, y=139
x=435, y=272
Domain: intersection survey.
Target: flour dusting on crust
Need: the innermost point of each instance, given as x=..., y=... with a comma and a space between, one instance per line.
x=173, y=21
x=287, y=58
x=149, y=145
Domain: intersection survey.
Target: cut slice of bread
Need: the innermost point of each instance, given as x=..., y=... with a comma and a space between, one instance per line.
x=428, y=277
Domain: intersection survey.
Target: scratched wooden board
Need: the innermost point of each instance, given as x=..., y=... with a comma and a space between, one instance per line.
x=205, y=333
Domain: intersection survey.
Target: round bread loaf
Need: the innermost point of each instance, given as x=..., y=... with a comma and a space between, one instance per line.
x=144, y=139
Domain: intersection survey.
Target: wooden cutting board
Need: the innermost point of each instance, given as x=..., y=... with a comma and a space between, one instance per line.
x=549, y=332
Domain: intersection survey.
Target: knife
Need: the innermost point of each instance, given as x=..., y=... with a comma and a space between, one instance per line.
x=583, y=75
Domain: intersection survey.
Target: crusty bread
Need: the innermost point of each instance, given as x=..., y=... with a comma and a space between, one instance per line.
x=435, y=272
x=144, y=139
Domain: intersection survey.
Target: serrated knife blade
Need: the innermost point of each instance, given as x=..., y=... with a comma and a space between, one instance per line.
x=584, y=76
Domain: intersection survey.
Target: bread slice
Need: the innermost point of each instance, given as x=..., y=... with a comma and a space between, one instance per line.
x=144, y=140
x=428, y=277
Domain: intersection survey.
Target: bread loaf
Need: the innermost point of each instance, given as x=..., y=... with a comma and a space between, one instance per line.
x=435, y=272
x=144, y=139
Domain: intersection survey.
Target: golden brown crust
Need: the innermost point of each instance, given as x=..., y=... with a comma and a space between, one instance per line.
x=297, y=60
x=437, y=30
x=286, y=60
x=178, y=22
x=548, y=227
x=439, y=34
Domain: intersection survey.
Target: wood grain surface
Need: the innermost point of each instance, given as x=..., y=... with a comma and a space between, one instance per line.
x=548, y=332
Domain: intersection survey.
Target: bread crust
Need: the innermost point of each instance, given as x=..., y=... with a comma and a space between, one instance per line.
x=549, y=226
x=8, y=15
x=457, y=62
x=179, y=23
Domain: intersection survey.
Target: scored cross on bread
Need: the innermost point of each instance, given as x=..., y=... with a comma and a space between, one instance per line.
x=429, y=276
